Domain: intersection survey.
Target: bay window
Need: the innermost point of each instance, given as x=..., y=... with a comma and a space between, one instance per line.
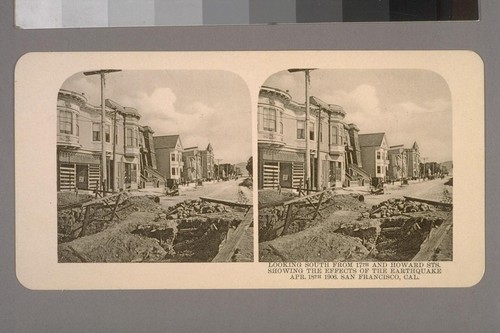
x=269, y=116
x=65, y=122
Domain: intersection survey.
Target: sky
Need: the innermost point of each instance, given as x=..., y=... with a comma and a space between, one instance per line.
x=201, y=106
x=408, y=105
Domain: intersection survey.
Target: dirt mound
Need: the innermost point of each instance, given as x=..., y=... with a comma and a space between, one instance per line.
x=321, y=242
x=352, y=202
x=115, y=244
x=144, y=203
x=70, y=198
x=307, y=247
x=273, y=196
x=70, y=220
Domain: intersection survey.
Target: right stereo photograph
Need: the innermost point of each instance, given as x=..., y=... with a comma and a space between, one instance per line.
x=355, y=165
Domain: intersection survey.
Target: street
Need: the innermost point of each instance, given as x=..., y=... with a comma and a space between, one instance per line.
x=428, y=189
x=225, y=190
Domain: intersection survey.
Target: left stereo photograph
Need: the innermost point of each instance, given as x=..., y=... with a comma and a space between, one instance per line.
x=145, y=172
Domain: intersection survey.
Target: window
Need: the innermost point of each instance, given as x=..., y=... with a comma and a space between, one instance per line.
x=107, y=133
x=134, y=173
x=338, y=171
x=269, y=119
x=136, y=137
x=130, y=141
x=96, y=132
x=320, y=133
x=130, y=173
x=301, y=129
x=335, y=135
x=173, y=171
x=77, y=123
x=378, y=169
x=378, y=157
x=65, y=122
x=172, y=157
x=311, y=131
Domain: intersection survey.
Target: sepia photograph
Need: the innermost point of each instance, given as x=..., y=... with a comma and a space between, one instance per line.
x=146, y=171
x=355, y=165
x=288, y=169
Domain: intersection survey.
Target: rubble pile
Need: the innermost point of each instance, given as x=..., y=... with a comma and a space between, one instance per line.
x=191, y=208
x=396, y=207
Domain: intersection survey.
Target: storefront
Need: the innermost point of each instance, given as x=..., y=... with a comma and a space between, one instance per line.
x=278, y=168
x=77, y=170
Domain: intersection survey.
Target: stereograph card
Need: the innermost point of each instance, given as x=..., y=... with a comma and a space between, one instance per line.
x=230, y=170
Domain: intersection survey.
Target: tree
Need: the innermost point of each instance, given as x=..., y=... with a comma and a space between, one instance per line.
x=249, y=166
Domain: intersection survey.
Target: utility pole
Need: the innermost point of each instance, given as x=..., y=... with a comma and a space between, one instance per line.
x=318, y=162
x=113, y=185
x=307, y=166
x=102, y=74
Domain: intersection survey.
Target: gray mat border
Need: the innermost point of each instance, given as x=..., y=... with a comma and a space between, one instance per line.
x=375, y=310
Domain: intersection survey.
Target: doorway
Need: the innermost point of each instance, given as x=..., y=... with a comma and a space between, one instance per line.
x=82, y=177
x=286, y=175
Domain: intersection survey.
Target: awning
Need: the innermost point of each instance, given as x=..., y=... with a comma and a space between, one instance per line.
x=283, y=156
x=74, y=157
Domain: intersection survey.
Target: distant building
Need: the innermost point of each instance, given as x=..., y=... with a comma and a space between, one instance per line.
x=168, y=150
x=355, y=174
x=207, y=163
x=150, y=176
x=374, y=155
x=398, y=160
x=192, y=169
x=79, y=144
x=413, y=155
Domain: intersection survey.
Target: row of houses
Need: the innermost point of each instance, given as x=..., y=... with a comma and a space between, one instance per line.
x=181, y=164
x=340, y=156
x=135, y=158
